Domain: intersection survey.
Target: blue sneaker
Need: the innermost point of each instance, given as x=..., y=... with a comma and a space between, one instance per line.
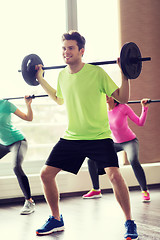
x=51, y=225
x=131, y=230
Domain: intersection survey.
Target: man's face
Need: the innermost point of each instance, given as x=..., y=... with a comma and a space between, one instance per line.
x=71, y=52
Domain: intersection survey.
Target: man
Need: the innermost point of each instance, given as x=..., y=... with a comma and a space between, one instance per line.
x=83, y=88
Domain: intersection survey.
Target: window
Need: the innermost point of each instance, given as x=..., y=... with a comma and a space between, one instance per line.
x=32, y=27
x=99, y=23
x=29, y=27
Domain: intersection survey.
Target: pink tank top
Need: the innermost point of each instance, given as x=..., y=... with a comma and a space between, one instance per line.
x=121, y=132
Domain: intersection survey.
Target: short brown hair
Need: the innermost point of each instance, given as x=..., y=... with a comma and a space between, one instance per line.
x=74, y=35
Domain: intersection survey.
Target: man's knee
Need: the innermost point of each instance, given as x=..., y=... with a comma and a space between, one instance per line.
x=48, y=173
x=113, y=174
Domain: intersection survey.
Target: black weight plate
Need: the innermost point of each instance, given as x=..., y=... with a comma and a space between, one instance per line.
x=129, y=56
x=28, y=69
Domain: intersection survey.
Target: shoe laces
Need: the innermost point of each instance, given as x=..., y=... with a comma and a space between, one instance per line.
x=145, y=193
x=93, y=190
x=27, y=204
x=131, y=227
x=47, y=221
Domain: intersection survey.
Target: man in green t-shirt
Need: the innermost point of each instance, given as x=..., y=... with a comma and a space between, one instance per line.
x=83, y=89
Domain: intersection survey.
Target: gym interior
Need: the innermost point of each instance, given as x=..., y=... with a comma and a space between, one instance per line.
x=107, y=27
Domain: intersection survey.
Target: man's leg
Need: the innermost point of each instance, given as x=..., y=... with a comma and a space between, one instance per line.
x=48, y=175
x=120, y=190
x=122, y=195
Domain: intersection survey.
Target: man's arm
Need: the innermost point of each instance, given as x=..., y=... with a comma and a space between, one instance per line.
x=122, y=93
x=50, y=90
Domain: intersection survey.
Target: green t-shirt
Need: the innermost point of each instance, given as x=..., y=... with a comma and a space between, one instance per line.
x=8, y=133
x=84, y=95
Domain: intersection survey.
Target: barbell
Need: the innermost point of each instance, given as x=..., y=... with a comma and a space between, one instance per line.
x=32, y=96
x=38, y=96
x=130, y=61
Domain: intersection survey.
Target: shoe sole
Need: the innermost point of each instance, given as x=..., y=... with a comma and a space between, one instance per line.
x=96, y=196
x=60, y=229
x=145, y=201
x=129, y=238
x=27, y=213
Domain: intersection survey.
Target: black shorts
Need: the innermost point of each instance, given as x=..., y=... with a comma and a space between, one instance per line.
x=4, y=150
x=69, y=155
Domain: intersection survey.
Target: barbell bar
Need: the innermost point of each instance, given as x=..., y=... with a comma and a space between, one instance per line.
x=32, y=96
x=97, y=63
x=148, y=101
x=38, y=96
x=130, y=61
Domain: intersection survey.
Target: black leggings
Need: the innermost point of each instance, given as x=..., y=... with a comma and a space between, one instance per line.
x=18, y=150
x=132, y=150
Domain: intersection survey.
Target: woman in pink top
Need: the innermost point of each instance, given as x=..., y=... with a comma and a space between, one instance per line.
x=124, y=140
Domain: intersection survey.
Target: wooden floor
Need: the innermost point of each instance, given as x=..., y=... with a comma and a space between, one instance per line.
x=87, y=219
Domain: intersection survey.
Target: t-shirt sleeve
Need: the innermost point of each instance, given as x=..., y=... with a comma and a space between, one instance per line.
x=107, y=85
x=11, y=107
x=59, y=92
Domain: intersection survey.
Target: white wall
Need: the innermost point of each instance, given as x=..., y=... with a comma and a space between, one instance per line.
x=67, y=182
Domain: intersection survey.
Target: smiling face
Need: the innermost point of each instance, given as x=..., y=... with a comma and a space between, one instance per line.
x=71, y=53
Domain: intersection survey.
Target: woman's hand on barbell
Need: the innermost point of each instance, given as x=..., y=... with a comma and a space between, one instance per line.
x=145, y=102
x=28, y=99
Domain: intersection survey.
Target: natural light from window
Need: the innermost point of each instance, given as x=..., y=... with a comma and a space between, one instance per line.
x=32, y=26
x=98, y=21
